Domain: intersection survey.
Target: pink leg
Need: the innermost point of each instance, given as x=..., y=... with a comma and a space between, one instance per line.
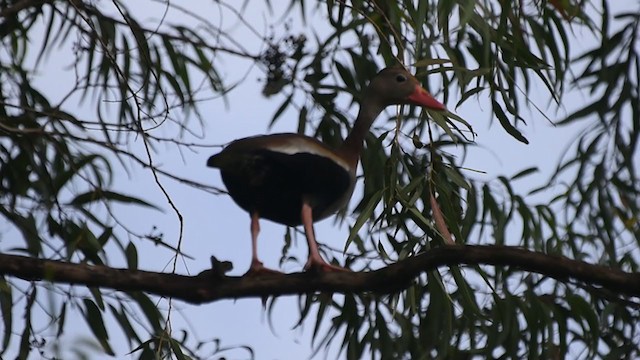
x=256, y=268
x=315, y=262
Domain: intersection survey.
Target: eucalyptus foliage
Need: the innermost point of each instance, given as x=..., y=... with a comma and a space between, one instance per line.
x=137, y=75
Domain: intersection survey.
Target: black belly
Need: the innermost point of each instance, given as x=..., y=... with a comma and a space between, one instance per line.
x=274, y=184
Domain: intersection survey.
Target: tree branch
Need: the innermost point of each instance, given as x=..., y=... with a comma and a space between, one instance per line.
x=212, y=285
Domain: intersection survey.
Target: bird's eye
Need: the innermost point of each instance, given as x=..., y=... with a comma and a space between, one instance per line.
x=401, y=78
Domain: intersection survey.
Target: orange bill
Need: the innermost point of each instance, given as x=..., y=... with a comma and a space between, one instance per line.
x=421, y=97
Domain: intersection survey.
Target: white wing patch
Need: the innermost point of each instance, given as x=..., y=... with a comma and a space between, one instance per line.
x=296, y=146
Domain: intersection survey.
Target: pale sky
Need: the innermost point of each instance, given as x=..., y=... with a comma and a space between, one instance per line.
x=214, y=225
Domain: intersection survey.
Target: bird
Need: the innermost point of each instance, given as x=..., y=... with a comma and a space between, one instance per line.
x=293, y=179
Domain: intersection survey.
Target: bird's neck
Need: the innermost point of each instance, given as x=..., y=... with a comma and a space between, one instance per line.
x=352, y=146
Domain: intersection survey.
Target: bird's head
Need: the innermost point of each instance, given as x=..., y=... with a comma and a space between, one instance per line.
x=394, y=85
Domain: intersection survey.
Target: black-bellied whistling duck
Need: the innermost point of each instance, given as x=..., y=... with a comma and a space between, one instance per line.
x=294, y=179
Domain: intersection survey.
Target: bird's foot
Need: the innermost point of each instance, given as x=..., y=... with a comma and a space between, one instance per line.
x=320, y=266
x=258, y=269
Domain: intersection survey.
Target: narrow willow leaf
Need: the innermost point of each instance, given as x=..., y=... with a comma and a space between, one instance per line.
x=385, y=346
x=104, y=237
x=132, y=256
x=97, y=295
x=176, y=347
x=345, y=75
x=469, y=303
x=582, y=310
x=455, y=176
x=419, y=219
x=467, y=94
x=177, y=89
x=364, y=216
x=6, y=306
x=46, y=38
x=586, y=111
x=29, y=229
x=502, y=118
x=525, y=172
x=93, y=316
x=322, y=308
x=62, y=319
x=469, y=220
x=459, y=119
x=123, y=320
x=149, y=309
x=302, y=120
x=285, y=104
x=96, y=195
x=25, y=339
x=442, y=122
x=427, y=62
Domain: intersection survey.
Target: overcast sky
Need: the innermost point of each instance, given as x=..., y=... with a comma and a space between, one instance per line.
x=214, y=225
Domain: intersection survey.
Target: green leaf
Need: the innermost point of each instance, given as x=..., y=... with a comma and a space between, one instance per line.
x=469, y=303
x=99, y=195
x=97, y=295
x=428, y=62
x=455, y=176
x=28, y=228
x=582, y=310
x=61, y=319
x=467, y=94
x=345, y=75
x=525, y=172
x=177, y=350
x=594, y=108
x=6, y=306
x=25, y=343
x=364, y=216
x=302, y=120
x=123, y=320
x=149, y=309
x=285, y=104
x=441, y=121
x=132, y=256
x=502, y=118
x=105, y=236
x=93, y=316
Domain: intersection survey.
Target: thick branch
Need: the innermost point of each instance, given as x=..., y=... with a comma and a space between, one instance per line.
x=214, y=285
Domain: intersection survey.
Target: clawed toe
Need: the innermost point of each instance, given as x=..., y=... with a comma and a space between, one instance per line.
x=322, y=266
x=257, y=269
